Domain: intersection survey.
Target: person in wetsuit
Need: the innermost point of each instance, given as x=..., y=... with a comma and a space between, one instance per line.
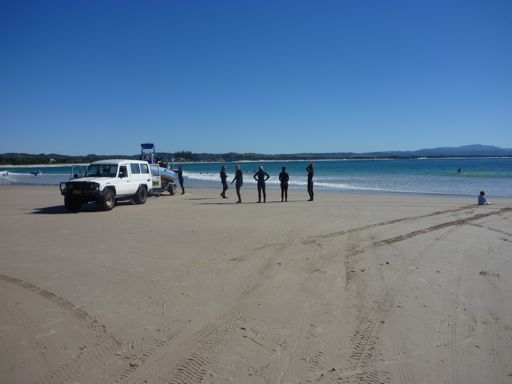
x=179, y=172
x=239, y=178
x=284, y=178
x=311, y=171
x=223, y=178
x=261, y=176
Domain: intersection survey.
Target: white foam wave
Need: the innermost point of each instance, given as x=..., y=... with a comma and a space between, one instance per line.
x=9, y=173
x=297, y=181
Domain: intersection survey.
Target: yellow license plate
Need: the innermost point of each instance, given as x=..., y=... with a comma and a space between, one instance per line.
x=76, y=192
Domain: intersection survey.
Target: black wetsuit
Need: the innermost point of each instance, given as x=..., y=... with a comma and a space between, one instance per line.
x=179, y=172
x=223, y=178
x=284, y=178
x=261, y=176
x=310, y=182
x=239, y=178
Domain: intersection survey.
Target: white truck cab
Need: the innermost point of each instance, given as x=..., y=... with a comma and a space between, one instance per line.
x=108, y=181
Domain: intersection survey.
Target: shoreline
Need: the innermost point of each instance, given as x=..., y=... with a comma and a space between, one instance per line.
x=301, y=192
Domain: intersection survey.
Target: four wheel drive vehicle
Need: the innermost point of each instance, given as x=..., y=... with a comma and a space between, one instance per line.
x=108, y=181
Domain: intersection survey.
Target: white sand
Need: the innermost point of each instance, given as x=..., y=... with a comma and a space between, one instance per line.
x=194, y=288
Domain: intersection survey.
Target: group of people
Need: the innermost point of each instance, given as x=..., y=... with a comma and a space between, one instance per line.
x=261, y=177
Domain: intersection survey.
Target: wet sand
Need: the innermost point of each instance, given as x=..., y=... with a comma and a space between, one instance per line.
x=194, y=288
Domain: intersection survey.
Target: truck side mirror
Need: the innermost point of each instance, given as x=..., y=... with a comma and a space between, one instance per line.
x=123, y=173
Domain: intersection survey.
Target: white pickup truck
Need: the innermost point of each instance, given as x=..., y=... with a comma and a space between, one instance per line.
x=107, y=181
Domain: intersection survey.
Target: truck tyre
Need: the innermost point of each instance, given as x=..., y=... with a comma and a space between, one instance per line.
x=108, y=201
x=170, y=188
x=72, y=204
x=141, y=195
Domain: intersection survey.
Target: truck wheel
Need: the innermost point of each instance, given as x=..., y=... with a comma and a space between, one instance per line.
x=108, y=200
x=71, y=204
x=141, y=195
x=170, y=189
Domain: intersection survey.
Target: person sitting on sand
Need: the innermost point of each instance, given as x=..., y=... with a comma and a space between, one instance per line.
x=481, y=199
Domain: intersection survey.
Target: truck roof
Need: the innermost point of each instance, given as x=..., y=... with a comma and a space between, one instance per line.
x=118, y=161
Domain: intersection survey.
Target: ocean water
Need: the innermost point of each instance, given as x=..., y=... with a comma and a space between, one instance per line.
x=418, y=176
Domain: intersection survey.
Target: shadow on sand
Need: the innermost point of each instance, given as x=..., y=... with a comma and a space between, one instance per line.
x=62, y=210
x=56, y=210
x=224, y=202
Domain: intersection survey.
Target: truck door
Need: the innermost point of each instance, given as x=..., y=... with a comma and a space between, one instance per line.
x=123, y=185
x=135, y=178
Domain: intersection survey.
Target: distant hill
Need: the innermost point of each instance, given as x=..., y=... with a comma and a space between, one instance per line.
x=475, y=150
x=466, y=150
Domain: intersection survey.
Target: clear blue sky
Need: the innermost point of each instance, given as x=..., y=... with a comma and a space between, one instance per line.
x=83, y=76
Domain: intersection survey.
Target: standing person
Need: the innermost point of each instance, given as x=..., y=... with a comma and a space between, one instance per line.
x=284, y=178
x=223, y=178
x=261, y=176
x=311, y=171
x=179, y=172
x=239, y=178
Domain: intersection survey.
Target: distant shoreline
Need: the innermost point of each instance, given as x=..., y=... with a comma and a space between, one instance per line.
x=54, y=165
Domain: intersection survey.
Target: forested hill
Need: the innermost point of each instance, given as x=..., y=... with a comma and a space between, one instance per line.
x=42, y=158
x=476, y=150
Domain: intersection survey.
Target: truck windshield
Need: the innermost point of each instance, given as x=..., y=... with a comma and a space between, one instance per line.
x=101, y=170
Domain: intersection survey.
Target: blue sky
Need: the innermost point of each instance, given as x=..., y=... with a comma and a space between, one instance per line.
x=79, y=77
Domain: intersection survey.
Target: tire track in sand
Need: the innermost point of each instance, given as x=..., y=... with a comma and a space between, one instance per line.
x=355, y=249
x=390, y=222
x=366, y=334
x=105, y=341
x=186, y=359
x=437, y=227
x=365, y=338
x=366, y=359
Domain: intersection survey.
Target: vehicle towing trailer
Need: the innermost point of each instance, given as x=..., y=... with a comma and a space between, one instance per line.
x=163, y=180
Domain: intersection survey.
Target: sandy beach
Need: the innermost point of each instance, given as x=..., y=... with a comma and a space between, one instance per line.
x=196, y=289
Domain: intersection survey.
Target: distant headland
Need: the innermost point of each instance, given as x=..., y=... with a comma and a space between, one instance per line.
x=475, y=150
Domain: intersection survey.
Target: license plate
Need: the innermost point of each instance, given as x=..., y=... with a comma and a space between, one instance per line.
x=76, y=192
